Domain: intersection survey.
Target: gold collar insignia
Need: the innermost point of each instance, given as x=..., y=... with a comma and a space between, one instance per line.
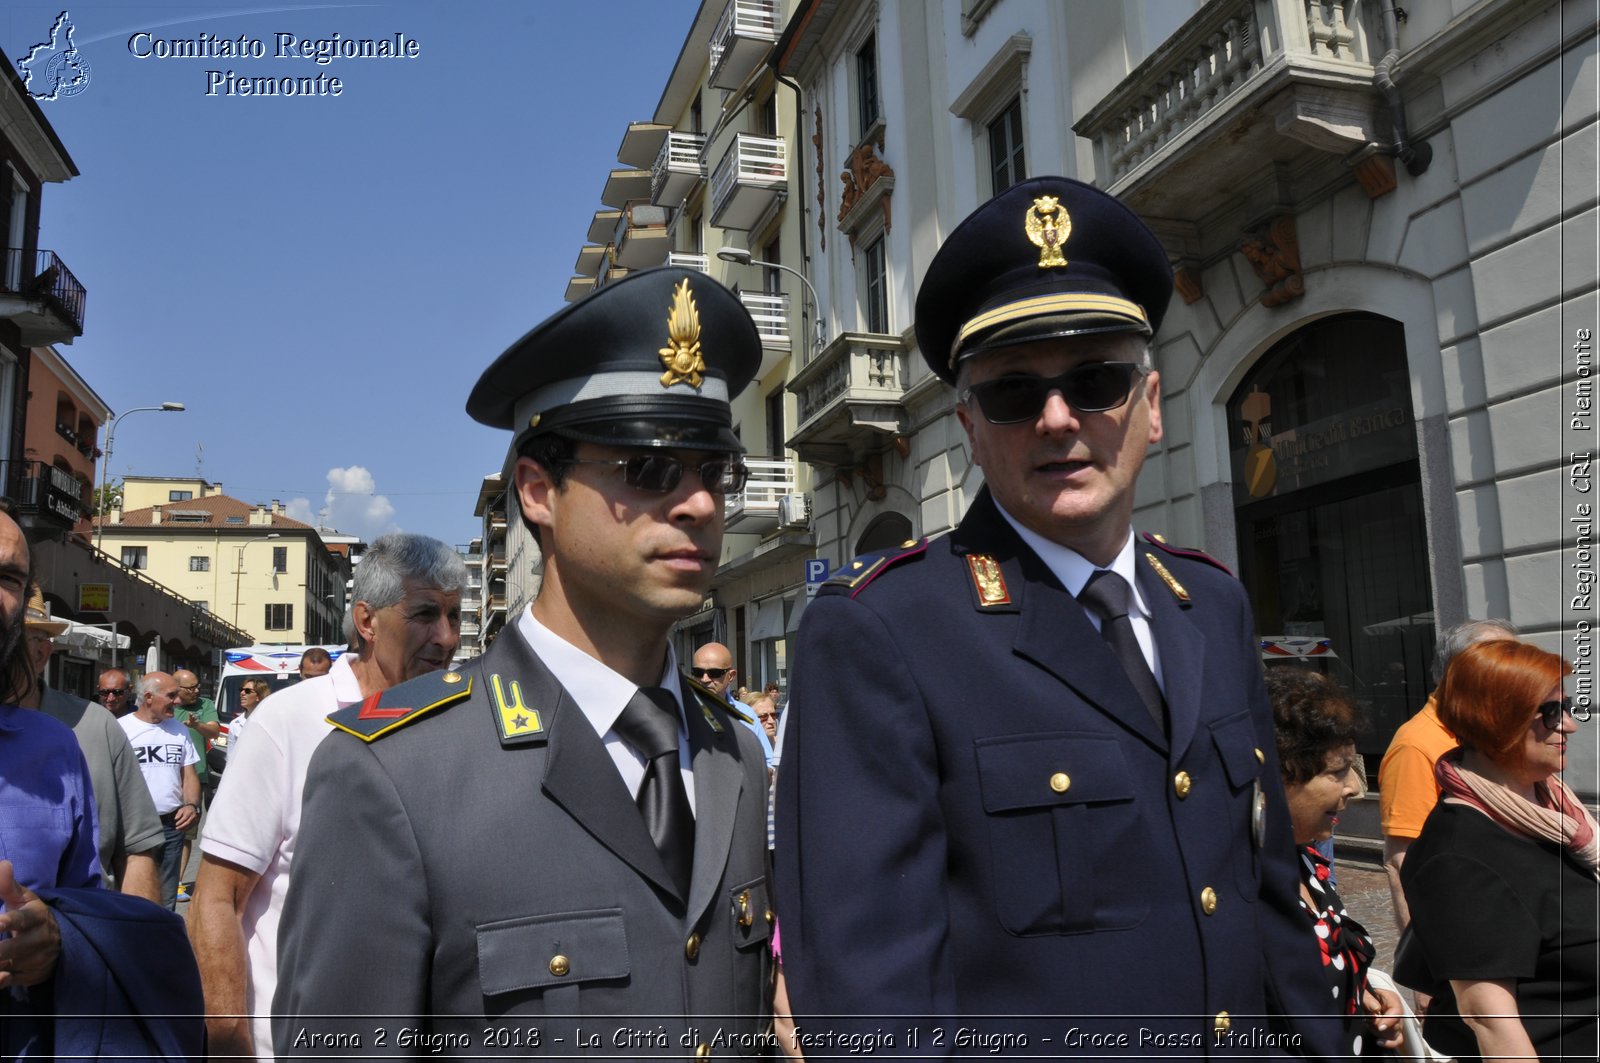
x=989, y=580
x=1166, y=577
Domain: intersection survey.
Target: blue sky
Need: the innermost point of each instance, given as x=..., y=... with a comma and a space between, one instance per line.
x=320, y=280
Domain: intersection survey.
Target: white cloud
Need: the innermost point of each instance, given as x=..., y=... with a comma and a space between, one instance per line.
x=352, y=505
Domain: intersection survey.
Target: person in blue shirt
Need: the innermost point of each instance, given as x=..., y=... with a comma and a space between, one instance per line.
x=132, y=976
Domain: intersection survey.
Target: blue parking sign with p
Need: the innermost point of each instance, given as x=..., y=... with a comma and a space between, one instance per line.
x=816, y=569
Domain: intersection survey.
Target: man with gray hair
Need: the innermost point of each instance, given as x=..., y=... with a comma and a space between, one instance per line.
x=1407, y=791
x=406, y=618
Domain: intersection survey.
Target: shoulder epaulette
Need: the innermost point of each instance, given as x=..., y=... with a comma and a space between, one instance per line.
x=1184, y=551
x=710, y=704
x=852, y=578
x=389, y=710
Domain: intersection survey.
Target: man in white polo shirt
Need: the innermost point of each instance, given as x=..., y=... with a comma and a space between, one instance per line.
x=407, y=621
x=167, y=758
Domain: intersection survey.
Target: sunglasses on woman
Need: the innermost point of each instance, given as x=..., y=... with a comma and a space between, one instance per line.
x=1092, y=388
x=661, y=473
x=1550, y=713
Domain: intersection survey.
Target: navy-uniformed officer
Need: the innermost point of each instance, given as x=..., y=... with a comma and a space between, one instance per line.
x=1025, y=805
x=558, y=849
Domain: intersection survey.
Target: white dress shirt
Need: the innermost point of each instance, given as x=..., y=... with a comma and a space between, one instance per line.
x=601, y=694
x=1074, y=570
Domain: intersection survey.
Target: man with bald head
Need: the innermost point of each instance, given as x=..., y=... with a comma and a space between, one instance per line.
x=112, y=691
x=713, y=667
x=167, y=759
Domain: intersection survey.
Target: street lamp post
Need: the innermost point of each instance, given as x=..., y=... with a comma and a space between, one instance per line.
x=740, y=256
x=238, y=569
x=105, y=459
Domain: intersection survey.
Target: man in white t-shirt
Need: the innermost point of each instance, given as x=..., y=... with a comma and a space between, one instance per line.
x=406, y=621
x=167, y=758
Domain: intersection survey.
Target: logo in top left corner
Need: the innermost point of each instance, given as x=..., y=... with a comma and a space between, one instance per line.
x=55, y=69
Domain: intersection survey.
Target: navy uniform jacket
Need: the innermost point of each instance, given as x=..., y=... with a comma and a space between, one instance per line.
x=482, y=877
x=977, y=817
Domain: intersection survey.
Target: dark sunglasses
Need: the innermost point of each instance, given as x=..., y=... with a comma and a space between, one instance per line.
x=1093, y=388
x=709, y=673
x=110, y=693
x=1550, y=713
x=660, y=473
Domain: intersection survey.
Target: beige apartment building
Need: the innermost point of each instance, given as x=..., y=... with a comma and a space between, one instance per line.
x=249, y=564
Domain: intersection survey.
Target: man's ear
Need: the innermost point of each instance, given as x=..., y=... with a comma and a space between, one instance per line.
x=534, y=491
x=361, y=614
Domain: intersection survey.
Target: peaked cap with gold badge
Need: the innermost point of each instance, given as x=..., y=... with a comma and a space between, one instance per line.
x=1047, y=257
x=651, y=360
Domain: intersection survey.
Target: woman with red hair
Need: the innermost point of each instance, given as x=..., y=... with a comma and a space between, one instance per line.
x=1504, y=882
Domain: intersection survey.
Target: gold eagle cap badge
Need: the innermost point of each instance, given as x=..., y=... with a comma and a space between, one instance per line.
x=1048, y=227
x=681, y=355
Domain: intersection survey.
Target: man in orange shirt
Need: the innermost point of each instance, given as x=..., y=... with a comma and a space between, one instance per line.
x=1407, y=791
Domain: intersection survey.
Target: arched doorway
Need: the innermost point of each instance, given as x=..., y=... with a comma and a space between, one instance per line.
x=885, y=532
x=1328, y=509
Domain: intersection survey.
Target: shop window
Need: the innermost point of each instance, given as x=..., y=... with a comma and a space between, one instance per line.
x=1328, y=510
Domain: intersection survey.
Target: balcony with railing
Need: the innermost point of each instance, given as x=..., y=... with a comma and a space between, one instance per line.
x=1244, y=94
x=744, y=34
x=749, y=180
x=770, y=312
x=679, y=166
x=46, y=302
x=641, y=238
x=42, y=494
x=755, y=509
x=689, y=260
x=851, y=398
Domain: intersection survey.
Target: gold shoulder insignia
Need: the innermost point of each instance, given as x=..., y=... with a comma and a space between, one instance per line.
x=854, y=577
x=1189, y=553
x=988, y=581
x=1166, y=577
x=389, y=710
x=519, y=724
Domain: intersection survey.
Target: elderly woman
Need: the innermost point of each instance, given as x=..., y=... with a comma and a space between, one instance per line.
x=1502, y=881
x=1317, y=725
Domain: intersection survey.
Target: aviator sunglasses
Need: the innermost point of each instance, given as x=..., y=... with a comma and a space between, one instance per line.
x=660, y=473
x=1092, y=388
x=1550, y=713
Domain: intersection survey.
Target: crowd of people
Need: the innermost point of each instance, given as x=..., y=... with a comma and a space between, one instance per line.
x=1031, y=791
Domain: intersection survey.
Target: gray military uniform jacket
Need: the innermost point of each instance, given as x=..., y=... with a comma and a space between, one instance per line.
x=478, y=881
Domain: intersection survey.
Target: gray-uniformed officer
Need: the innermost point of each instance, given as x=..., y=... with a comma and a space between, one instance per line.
x=559, y=848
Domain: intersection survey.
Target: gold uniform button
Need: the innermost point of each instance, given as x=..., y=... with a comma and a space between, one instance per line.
x=1059, y=782
x=769, y=916
x=1222, y=1023
x=703, y=1052
x=1181, y=784
x=691, y=948
x=1208, y=900
x=1261, y=758
x=559, y=966
x=452, y=677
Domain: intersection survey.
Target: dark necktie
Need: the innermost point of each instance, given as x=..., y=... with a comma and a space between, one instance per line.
x=649, y=724
x=1109, y=595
